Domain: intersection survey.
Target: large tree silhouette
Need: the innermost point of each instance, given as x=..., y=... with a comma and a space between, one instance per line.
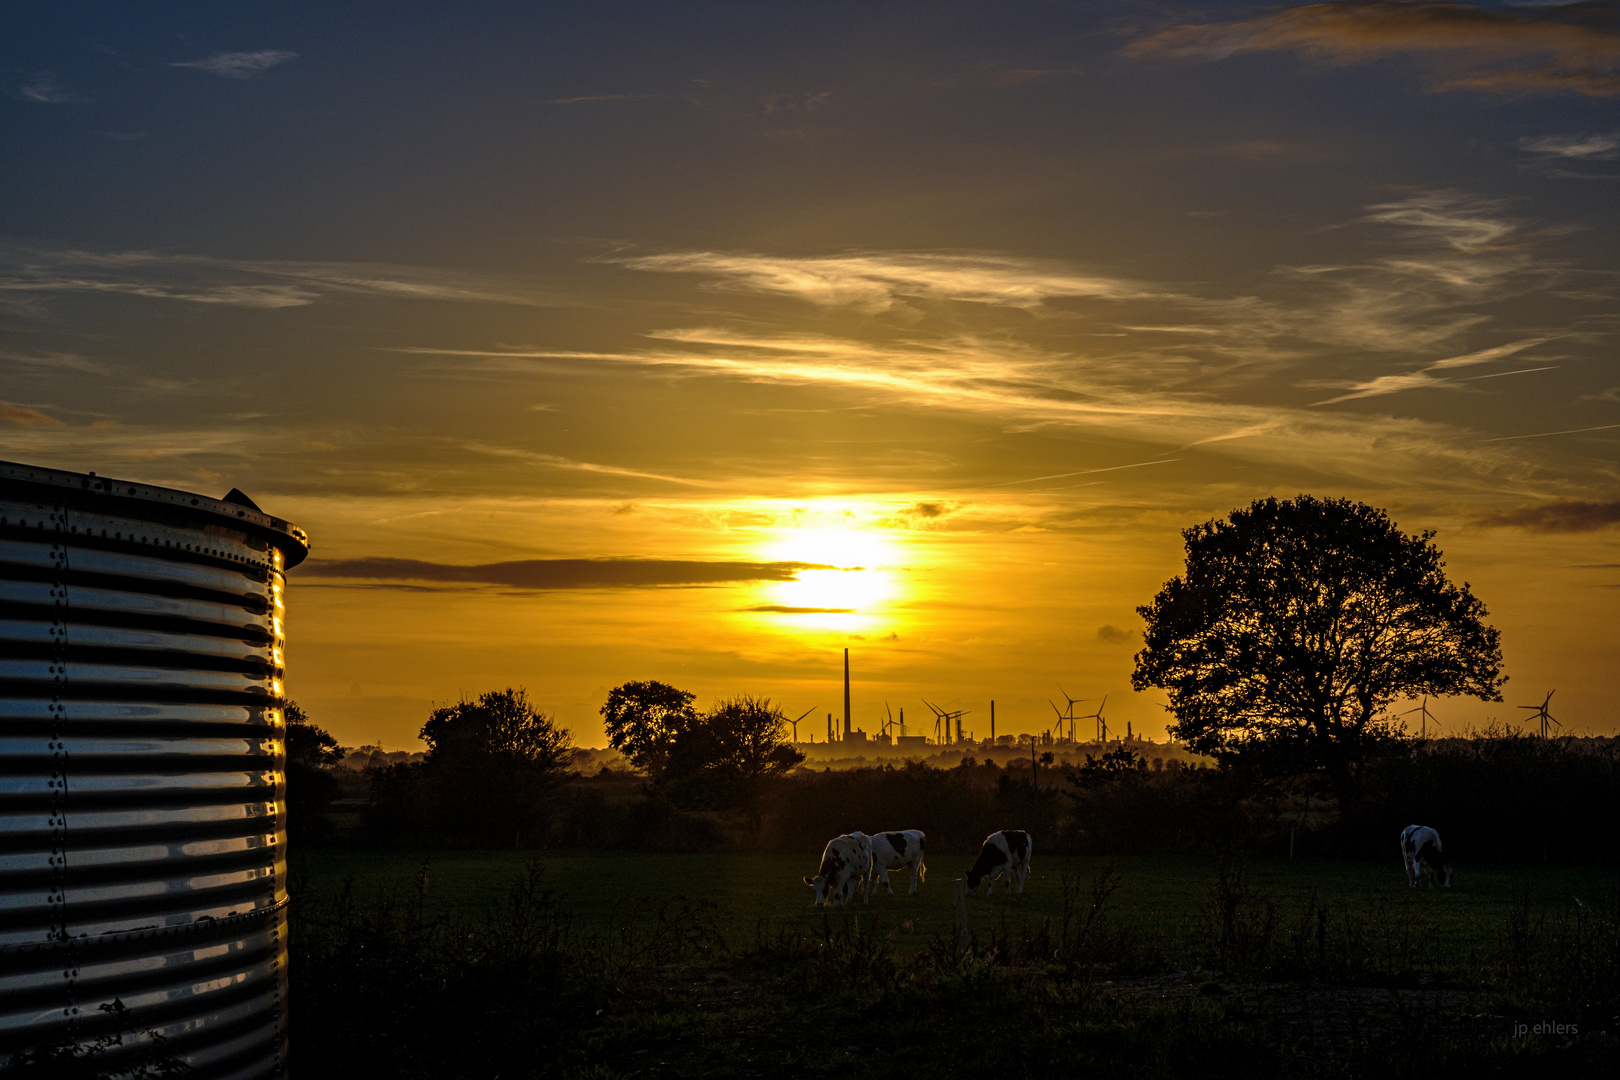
x=1297, y=624
x=644, y=719
x=491, y=763
x=719, y=759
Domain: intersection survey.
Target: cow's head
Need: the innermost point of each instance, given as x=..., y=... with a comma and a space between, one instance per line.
x=822, y=887
x=1436, y=863
x=826, y=878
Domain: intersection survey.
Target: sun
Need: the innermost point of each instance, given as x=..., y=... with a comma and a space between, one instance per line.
x=860, y=580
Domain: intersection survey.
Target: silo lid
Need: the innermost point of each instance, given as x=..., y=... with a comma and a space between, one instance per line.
x=235, y=511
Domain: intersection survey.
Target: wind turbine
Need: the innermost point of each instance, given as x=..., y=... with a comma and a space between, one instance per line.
x=1423, y=709
x=1542, y=714
x=1069, y=713
x=1102, y=725
x=795, y=723
x=944, y=719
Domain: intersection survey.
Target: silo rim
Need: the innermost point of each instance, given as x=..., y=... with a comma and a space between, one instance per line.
x=108, y=493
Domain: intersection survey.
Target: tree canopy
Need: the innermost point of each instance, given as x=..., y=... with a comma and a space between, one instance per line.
x=491, y=763
x=643, y=721
x=1298, y=623
x=718, y=759
x=311, y=787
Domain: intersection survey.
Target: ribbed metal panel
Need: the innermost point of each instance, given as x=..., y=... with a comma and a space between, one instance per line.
x=142, y=756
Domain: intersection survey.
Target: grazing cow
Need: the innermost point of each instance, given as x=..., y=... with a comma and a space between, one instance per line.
x=1420, y=851
x=1005, y=852
x=845, y=864
x=898, y=851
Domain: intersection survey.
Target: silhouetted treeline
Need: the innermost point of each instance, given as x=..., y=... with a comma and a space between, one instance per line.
x=487, y=780
x=1506, y=798
x=1495, y=798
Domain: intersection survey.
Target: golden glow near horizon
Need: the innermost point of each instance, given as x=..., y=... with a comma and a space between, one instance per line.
x=991, y=314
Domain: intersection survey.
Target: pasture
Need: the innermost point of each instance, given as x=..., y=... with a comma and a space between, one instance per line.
x=594, y=965
x=1160, y=897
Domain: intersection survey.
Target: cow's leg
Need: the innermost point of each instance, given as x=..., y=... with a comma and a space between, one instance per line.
x=886, y=884
x=913, y=890
x=1023, y=876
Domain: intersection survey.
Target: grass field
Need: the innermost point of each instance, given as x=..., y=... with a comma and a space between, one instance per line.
x=619, y=965
x=1160, y=896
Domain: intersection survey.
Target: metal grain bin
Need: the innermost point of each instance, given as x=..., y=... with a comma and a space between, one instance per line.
x=142, y=756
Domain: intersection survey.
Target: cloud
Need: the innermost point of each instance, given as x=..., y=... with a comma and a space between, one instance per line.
x=1449, y=253
x=1113, y=635
x=920, y=515
x=600, y=97
x=877, y=281
x=1463, y=222
x=262, y=284
x=47, y=88
x=555, y=462
x=784, y=609
x=57, y=362
x=1028, y=388
x=1422, y=379
x=1562, y=516
x=552, y=574
x=1569, y=48
x=240, y=65
x=1577, y=147
x=22, y=414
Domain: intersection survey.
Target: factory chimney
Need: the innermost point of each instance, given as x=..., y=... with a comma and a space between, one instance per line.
x=846, y=694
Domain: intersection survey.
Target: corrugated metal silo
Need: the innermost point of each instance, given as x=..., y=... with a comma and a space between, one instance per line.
x=142, y=758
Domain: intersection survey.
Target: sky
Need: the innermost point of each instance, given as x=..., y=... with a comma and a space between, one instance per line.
x=700, y=342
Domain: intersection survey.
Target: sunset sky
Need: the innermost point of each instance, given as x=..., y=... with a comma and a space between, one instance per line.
x=697, y=342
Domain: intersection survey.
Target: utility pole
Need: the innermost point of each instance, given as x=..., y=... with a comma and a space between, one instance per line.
x=992, y=720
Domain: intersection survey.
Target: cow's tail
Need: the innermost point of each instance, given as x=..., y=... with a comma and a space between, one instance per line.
x=922, y=869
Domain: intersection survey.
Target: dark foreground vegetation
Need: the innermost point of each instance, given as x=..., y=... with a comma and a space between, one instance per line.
x=1260, y=982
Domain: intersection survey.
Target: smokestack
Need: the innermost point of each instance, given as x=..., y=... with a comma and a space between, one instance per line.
x=992, y=719
x=846, y=694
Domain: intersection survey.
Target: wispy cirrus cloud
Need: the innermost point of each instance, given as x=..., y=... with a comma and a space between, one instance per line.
x=22, y=414
x=877, y=281
x=584, y=98
x=553, y=461
x=240, y=65
x=1025, y=388
x=1424, y=378
x=1559, y=48
x=553, y=574
x=47, y=88
x=1449, y=252
x=1575, y=147
x=200, y=279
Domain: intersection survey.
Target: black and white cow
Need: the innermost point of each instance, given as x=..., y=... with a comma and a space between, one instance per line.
x=1005, y=852
x=846, y=863
x=1420, y=851
x=898, y=851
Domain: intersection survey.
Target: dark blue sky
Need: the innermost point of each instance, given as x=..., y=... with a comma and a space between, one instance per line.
x=703, y=263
